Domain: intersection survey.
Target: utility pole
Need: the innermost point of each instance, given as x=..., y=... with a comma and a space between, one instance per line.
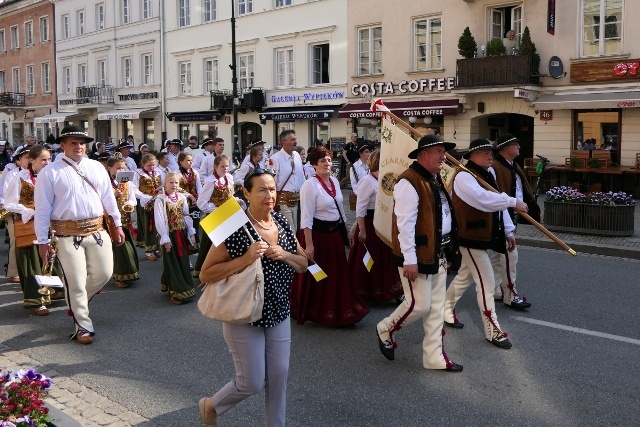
x=234, y=80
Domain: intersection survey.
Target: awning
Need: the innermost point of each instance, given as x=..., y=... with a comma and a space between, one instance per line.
x=444, y=107
x=300, y=112
x=134, y=113
x=195, y=116
x=55, y=118
x=586, y=101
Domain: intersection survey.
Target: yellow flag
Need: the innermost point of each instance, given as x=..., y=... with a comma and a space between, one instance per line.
x=224, y=221
x=367, y=261
x=316, y=272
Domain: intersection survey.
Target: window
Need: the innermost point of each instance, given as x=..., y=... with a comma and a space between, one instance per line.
x=80, y=22
x=126, y=12
x=601, y=27
x=3, y=46
x=3, y=81
x=149, y=131
x=31, y=81
x=209, y=10
x=245, y=7
x=210, y=75
x=65, y=26
x=184, y=13
x=147, y=69
x=28, y=33
x=127, y=80
x=146, y=9
x=82, y=75
x=15, y=43
x=284, y=67
x=369, y=51
x=46, y=77
x=320, y=63
x=44, y=29
x=185, y=78
x=245, y=70
x=505, y=19
x=66, y=79
x=427, y=39
x=282, y=3
x=16, y=80
x=102, y=72
x=100, y=18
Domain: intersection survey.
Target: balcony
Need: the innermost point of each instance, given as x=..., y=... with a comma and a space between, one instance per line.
x=11, y=99
x=99, y=94
x=252, y=98
x=497, y=71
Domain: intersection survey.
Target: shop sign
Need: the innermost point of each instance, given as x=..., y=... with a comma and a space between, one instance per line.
x=67, y=101
x=627, y=104
x=296, y=116
x=438, y=84
x=600, y=71
x=308, y=96
x=136, y=96
x=521, y=94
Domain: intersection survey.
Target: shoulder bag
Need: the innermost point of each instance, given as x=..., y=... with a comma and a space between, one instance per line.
x=237, y=299
x=353, y=199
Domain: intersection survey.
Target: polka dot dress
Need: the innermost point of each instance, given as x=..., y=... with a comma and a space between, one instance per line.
x=277, y=274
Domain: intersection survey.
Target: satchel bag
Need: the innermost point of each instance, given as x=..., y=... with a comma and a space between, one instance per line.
x=237, y=299
x=24, y=234
x=353, y=199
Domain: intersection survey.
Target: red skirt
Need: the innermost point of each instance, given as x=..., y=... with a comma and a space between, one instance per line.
x=333, y=300
x=382, y=283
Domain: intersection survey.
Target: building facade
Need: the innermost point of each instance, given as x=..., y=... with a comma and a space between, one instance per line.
x=291, y=67
x=27, y=69
x=109, y=63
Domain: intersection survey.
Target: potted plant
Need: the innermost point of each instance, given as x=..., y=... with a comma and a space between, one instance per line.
x=495, y=47
x=608, y=214
x=528, y=47
x=22, y=393
x=467, y=46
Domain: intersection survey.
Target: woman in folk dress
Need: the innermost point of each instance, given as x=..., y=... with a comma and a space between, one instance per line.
x=147, y=183
x=192, y=186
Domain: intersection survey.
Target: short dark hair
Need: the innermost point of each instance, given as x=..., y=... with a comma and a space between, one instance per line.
x=318, y=153
x=285, y=133
x=162, y=155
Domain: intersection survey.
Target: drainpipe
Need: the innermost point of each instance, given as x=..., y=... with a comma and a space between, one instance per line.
x=163, y=108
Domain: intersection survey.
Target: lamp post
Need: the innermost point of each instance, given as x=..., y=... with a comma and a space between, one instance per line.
x=234, y=82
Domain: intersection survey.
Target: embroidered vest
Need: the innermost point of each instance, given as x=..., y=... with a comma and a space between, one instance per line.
x=175, y=217
x=26, y=195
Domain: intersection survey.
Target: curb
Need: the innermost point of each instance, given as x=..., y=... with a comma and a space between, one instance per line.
x=591, y=248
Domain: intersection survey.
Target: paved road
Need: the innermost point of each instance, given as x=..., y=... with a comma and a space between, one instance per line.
x=152, y=360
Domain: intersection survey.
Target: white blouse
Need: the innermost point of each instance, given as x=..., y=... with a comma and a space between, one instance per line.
x=144, y=198
x=131, y=195
x=315, y=202
x=207, y=190
x=12, y=195
x=361, y=170
x=367, y=192
x=160, y=217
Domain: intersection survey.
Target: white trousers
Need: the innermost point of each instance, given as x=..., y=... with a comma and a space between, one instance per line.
x=87, y=268
x=475, y=267
x=291, y=213
x=261, y=358
x=12, y=267
x=505, y=270
x=424, y=299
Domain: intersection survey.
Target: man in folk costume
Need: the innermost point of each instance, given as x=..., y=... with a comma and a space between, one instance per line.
x=423, y=225
x=125, y=148
x=512, y=180
x=484, y=224
x=207, y=167
x=359, y=169
x=71, y=196
x=10, y=171
x=173, y=150
x=207, y=149
x=287, y=165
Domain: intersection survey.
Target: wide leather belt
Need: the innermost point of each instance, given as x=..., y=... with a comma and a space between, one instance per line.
x=288, y=198
x=83, y=227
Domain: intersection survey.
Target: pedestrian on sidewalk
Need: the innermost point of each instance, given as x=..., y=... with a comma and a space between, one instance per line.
x=71, y=196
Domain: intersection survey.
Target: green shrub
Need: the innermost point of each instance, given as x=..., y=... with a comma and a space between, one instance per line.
x=467, y=46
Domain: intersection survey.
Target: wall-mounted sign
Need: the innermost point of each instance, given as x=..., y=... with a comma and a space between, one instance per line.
x=307, y=96
x=521, y=93
x=551, y=17
x=296, y=116
x=627, y=104
x=136, y=96
x=588, y=72
x=546, y=115
x=438, y=84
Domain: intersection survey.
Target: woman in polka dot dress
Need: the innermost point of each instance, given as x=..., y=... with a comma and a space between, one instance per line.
x=261, y=349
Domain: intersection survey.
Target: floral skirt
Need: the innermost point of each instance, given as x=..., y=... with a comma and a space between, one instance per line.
x=332, y=301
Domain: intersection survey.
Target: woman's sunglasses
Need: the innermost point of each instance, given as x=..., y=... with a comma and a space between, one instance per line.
x=260, y=171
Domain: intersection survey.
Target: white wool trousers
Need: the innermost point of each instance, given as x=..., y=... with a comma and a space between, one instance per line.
x=505, y=270
x=261, y=359
x=12, y=267
x=424, y=299
x=475, y=267
x=87, y=267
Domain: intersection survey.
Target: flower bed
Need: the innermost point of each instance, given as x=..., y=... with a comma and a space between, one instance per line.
x=22, y=404
x=605, y=214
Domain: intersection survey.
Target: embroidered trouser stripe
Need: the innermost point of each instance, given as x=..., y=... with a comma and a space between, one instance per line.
x=86, y=270
x=505, y=269
x=12, y=268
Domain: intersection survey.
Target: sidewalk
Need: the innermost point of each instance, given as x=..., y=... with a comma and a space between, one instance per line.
x=528, y=235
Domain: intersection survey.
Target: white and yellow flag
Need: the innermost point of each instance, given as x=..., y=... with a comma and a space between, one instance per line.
x=367, y=261
x=224, y=221
x=316, y=272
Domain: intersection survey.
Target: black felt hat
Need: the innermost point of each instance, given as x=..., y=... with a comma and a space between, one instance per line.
x=430, y=141
x=505, y=140
x=174, y=142
x=479, y=144
x=73, y=131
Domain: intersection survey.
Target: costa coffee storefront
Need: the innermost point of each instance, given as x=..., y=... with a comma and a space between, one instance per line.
x=604, y=114
x=424, y=103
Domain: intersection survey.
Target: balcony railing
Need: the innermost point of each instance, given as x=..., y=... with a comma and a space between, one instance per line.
x=99, y=94
x=11, y=99
x=497, y=71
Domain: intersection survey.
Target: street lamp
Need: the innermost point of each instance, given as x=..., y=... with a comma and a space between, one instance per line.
x=234, y=82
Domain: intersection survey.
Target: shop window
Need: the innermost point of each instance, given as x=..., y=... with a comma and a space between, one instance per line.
x=183, y=132
x=207, y=130
x=320, y=131
x=127, y=126
x=149, y=131
x=280, y=127
x=600, y=128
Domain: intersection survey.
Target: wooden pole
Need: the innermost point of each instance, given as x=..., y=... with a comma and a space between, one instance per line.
x=482, y=182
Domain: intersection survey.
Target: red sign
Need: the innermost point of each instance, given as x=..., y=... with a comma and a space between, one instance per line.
x=624, y=69
x=546, y=115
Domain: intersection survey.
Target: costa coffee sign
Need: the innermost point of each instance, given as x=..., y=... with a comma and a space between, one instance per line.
x=439, y=84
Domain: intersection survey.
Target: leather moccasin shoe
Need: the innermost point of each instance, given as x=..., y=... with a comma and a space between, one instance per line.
x=387, y=350
x=41, y=311
x=454, y=367
x=84, y=337
x=519, y=304
x=455, y=324
x=501, y=342
x=14, y=279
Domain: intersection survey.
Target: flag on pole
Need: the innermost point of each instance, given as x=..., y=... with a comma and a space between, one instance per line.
x=224, y=221
x=367, y=261
x=316, y=272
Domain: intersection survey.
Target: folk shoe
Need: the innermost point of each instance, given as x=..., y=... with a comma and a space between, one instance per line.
x=455, y=324
x=386, y=347
x=41, y=311
x=202, y=405
x=453, y=367
x=84, y=337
